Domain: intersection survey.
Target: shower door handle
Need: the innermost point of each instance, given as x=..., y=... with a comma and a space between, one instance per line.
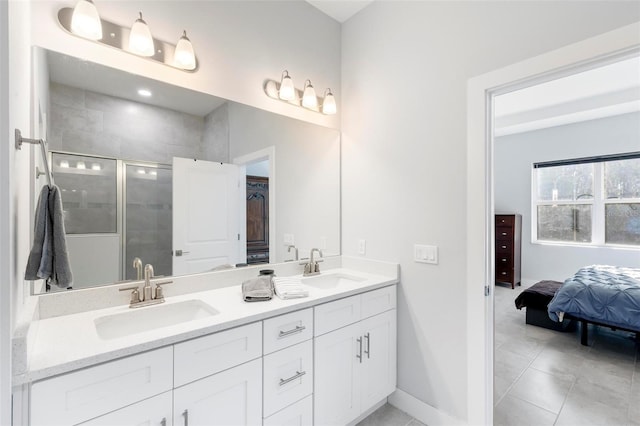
x=180, y=252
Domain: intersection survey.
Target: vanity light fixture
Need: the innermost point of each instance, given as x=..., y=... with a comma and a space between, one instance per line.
x=96, y=167
x=140, y=40
x=329, y=103
x=64, y=164
x=184, y=57
x=80, y=165
x=309, y=99
x=287, y=91
x=85, y=20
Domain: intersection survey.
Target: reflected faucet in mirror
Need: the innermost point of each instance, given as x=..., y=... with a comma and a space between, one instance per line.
x=291, y=246
x=137, y=264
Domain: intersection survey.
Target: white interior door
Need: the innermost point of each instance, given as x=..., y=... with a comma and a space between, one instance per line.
x=208, y=215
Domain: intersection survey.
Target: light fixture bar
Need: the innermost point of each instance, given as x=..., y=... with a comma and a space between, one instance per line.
x=272, y=90
x=113, y=35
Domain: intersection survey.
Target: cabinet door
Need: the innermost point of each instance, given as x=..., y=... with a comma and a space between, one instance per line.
x=154, y=411
x=230, y=398
x=379, y=358
x=337, y=357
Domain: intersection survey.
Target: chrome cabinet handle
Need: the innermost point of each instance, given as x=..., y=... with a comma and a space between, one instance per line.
x=298, y=329
x=504, y=260
x=504, y=273
x=366, y=336
x=359, y=340
x=181, y=252
x=185, y=414
x=504, y=247
x=292, y=378
x=504, y=233
x=163, y=422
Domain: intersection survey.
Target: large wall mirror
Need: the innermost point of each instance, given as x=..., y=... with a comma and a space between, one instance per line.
x=182, y=180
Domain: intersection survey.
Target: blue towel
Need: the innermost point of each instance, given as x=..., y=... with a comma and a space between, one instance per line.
x=49, y=259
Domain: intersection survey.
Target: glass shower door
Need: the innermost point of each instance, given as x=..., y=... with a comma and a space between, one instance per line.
x=148, y=218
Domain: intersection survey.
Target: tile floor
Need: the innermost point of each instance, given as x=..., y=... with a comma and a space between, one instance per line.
x=388, y=415
x=545, y=377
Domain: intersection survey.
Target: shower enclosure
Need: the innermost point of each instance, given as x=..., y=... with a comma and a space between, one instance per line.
x=115, y=210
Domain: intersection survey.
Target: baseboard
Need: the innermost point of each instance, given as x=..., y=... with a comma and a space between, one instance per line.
x=421, y=411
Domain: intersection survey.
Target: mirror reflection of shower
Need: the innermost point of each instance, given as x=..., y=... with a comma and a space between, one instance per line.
x=115, y=211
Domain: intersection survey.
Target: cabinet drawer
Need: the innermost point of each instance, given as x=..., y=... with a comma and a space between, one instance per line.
x=210, y=354
x=334, y=315
x=287, y=330
x=505, y=220
x=504, y=274
x=298, y=414
x=154, y=411
x=378, y=301
x=288, y=376
x=503, y=247
x=504, y=233
x=503, y=260
x=84, y=394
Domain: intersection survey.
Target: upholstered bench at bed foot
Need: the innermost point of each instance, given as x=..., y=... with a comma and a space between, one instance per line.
x=535, y=299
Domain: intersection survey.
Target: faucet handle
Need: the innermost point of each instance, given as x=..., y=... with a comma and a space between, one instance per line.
x=135, y=294
x=158, y=289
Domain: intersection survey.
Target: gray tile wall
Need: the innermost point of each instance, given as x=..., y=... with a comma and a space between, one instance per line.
x=92, y=123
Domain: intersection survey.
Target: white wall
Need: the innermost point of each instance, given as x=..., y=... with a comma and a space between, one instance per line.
x=239, y=45
x=405, y=67
x=514, y=156
x=14, y=174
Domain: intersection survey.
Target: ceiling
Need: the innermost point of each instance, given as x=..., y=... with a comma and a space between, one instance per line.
x=97, y=78
x=608, y=90
x=340, y=10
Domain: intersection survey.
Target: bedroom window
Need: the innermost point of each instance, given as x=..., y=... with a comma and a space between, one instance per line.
x=592, y=201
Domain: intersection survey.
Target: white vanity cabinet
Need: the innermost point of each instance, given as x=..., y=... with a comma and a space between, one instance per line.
x=232, y=397
x=322, y=365
x=355, y=362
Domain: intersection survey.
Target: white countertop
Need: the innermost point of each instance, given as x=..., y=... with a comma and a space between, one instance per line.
x=65, y=343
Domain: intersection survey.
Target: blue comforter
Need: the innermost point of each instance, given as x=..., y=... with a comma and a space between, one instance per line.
x=606, y=294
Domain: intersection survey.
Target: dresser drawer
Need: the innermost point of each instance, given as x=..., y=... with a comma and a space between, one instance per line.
x=84, y=394
x=298, y=414
x=503, y=260
x=504, y=233
x=503, y=247
x=504, y=274
x=288, y=376
x=378, y=301
x=287, y=330
x=210, y=354
x=334, y=315
x=505, y=220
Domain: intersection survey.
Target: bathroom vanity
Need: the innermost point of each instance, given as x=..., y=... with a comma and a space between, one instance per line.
x=208, y=358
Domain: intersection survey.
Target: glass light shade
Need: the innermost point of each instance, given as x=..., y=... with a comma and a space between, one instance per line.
x=287, y=92
x=184, y=56
x=85, y=20
x=309, y=99
x=329, y=103
x=140, y=40
x=80, y=165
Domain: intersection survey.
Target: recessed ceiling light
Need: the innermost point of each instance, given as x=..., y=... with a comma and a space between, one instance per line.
x=144, y=92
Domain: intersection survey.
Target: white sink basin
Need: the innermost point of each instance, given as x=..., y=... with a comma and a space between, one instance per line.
x=331, y=280
x=148, y=318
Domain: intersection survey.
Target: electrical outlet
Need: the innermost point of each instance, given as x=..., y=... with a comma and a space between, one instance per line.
x=362, y=247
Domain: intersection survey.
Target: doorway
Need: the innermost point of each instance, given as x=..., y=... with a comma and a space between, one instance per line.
x=480, y=197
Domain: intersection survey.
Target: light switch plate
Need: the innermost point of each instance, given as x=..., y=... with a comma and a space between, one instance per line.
x=288, y=239
x=425, y=254
x=362, y=247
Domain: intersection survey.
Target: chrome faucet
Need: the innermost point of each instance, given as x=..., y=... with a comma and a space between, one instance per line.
x=312, y=268
x=289, y=247
x=137, y=264
x=150, y=295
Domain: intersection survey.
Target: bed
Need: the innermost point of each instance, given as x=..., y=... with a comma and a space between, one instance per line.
x=601, y=295
x=535, y=300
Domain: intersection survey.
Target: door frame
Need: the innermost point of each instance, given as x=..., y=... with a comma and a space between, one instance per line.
x=266, y=154
x=481, y=90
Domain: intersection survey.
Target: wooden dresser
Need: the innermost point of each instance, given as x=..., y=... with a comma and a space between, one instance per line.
x=508, y=247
